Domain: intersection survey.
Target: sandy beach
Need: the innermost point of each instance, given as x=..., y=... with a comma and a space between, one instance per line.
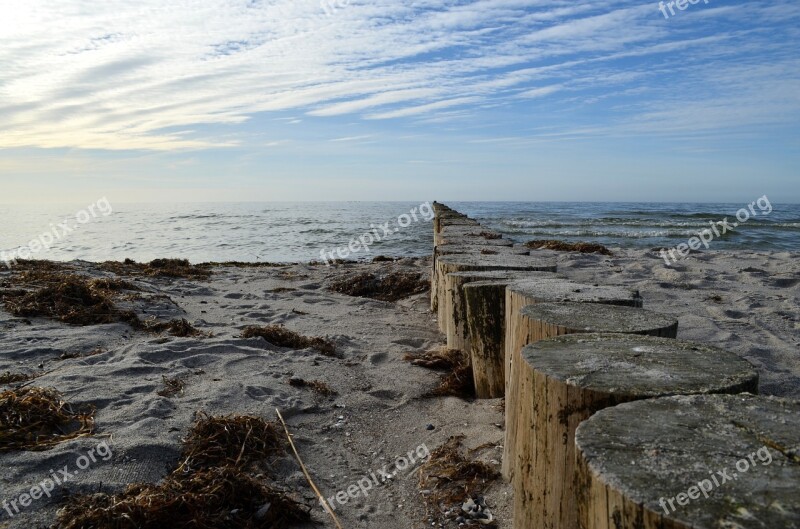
x=744, y=302
x=230, y=297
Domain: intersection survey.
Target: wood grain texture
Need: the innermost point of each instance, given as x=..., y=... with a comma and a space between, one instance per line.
x=564, y=380
x=522, y=331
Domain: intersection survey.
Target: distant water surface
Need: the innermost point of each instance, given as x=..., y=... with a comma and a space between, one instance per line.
x=284, y=231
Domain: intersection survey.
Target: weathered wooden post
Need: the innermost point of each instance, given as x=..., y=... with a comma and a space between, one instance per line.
x=546, y=320
x=454, y=313
x=565, y=380
x=690, y=462
x=524, y=293
x=447, y=264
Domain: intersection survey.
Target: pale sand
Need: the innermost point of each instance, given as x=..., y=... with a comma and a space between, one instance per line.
x=746, y=302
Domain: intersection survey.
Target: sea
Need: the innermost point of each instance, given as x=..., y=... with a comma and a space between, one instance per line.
x=305, y=231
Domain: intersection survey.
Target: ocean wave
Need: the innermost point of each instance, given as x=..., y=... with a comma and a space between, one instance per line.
x=599, y=222
x=600, y=233
x=198, y=216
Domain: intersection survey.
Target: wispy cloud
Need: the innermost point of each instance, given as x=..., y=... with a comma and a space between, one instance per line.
x=164, y=76
x=352, y=138
x=541, y=92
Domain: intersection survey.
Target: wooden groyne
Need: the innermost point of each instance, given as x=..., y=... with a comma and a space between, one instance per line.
x=567, y=357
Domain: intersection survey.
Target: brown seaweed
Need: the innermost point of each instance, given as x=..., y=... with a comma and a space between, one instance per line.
x=283, y=337
x=390, y=287
x=33, y=418
x=561, y=246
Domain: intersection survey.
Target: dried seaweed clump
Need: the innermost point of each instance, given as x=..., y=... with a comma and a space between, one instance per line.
x=79, y=300
x=180, y=328
x=176, y=268
x=317, y=386
x=215, y=487
x=76, y=354
x=172, y=386
x=283, y=337
x=452, y=476
x=41, y=265
x=391, y=287
x=217, y=498
x=38, y=418
x=234, y=440
x=242, y=264
x=68, y=298
x=561, y=246
x=12, y=378
x=457, y=381
x=442, y=358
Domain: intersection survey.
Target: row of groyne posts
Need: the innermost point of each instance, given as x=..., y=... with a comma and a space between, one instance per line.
x=611, y=422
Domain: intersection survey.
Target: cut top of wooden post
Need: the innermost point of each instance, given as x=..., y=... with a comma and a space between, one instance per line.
x=463, y=262
x=447, y=239
x=442, y=223
x=467, y=229
x=449, y=218
x=595, y=317
x=502, y=274
x=556, y=291
x=632, y=366
x=659, y=455
x=481, y=249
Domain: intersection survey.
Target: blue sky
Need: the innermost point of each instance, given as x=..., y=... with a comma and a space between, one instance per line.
x=228, y=100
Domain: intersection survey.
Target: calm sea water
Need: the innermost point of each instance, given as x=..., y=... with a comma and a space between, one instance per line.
x=300, y=231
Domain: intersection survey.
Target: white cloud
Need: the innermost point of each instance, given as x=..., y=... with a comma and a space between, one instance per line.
x=150, y=74
x=541, y=92
x=352, y=138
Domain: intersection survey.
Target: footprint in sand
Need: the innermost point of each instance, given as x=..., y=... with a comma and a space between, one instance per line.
x=386, y=394
x=239, y=295
x=259, y=392
x=378, y=358
x=783, y=282
x=735, y=314
x=250, y=366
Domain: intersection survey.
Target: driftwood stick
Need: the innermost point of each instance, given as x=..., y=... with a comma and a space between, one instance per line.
x=305, y=471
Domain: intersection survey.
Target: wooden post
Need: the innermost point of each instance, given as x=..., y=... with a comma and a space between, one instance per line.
x=481, y=249
x=440, y=282
x=485, y=314
x=486, y=329
x=478, y=246
x=472, y=240
x=444, y=216
x=565, y=380
x=701, y=461
x=545, y=320
x=524, y=293
x=442, y=224
x=455, y=313
x=447, y=264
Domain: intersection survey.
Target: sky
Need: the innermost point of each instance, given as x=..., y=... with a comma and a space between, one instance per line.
x=261, y=100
